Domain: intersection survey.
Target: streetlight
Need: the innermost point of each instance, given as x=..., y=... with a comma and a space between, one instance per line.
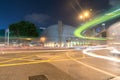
x=42, y=39
x=85, y=15
x=81, y=17
x=7, y=36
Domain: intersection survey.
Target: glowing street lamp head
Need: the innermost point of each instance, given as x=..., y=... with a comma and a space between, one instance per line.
x=86, y=14
x=42, y=39
x=81, y=17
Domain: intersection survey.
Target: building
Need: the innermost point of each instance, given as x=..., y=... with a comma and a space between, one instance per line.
x=60, y=35
x=114, y=35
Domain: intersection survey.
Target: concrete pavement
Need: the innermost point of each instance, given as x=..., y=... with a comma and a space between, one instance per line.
x=67, y=64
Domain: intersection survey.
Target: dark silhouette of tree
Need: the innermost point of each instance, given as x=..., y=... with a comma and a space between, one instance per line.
x=23, y=29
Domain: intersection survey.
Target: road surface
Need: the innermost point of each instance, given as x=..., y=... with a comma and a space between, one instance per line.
x=56, y=65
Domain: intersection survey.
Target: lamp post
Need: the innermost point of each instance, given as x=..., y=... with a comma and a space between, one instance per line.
x=7, y=36
x=42, y=40
x=84, y=16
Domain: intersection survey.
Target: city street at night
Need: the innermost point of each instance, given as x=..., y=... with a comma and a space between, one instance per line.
x=60, y=40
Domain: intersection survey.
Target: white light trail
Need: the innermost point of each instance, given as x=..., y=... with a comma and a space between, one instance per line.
x=87, y=52
x=115, y=51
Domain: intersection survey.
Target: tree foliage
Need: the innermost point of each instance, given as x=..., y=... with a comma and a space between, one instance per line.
x=23, y=29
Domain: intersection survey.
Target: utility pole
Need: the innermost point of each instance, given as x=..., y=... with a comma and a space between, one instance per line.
x=7, y=37
x=60, y=30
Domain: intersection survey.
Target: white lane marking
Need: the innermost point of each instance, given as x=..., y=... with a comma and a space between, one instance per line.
x=99, y=56
x=94, y=68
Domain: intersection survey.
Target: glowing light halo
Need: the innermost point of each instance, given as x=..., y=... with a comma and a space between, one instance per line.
x=107, y=16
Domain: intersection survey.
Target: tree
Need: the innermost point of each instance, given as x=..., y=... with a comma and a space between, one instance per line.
x=23, y=29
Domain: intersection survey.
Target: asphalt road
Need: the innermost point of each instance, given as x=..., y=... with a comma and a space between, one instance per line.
x=56, y=65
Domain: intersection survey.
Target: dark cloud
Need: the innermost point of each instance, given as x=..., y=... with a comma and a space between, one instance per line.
x=37, y=18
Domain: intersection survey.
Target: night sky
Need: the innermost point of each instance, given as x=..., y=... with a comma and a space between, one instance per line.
x=47, y=12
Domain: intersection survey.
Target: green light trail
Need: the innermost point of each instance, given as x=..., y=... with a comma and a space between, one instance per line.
x=100, y=19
